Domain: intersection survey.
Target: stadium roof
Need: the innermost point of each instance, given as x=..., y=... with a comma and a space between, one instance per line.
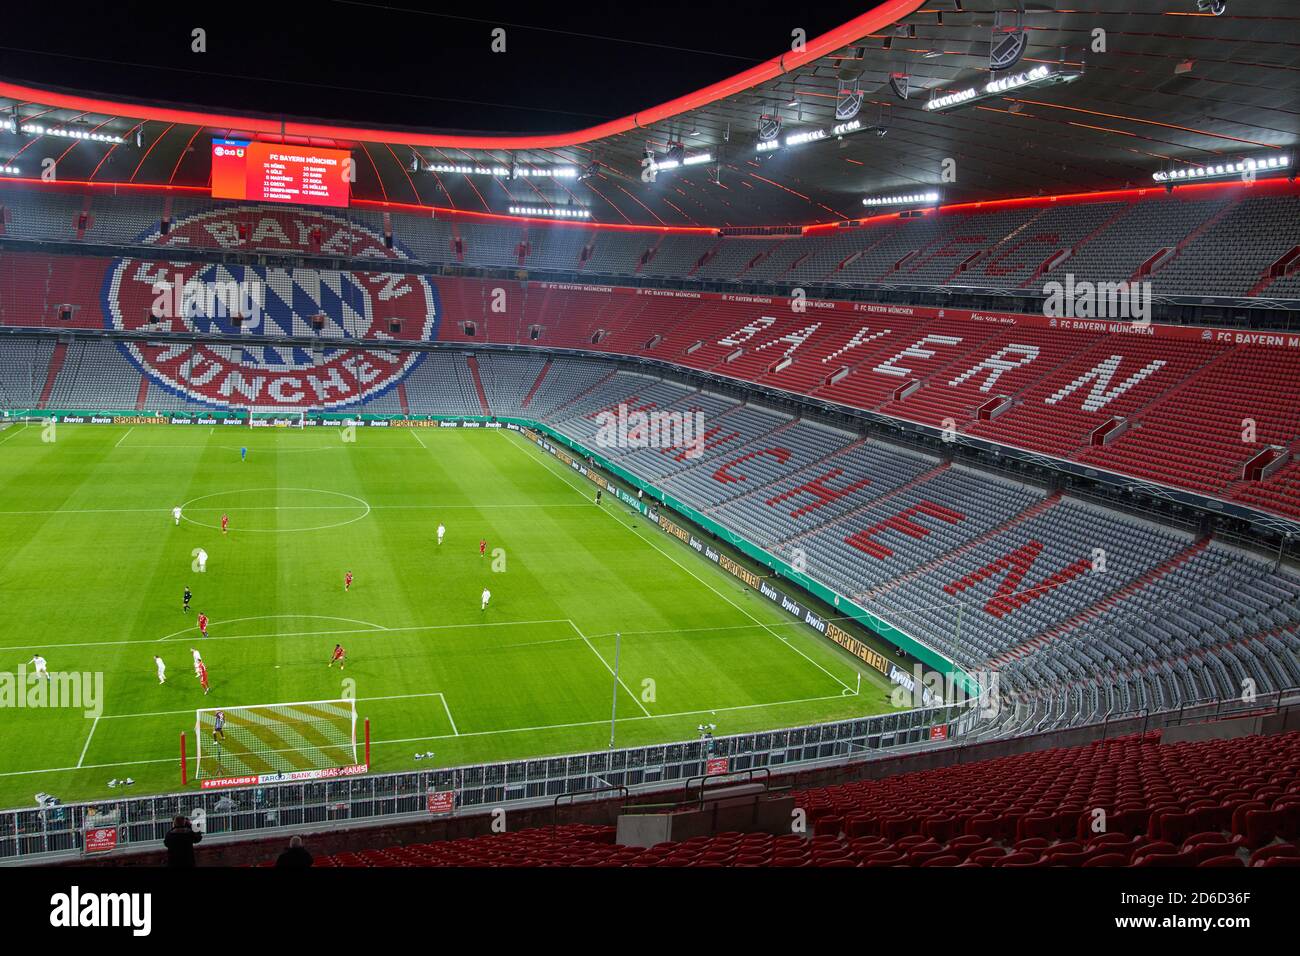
x=1127, y=93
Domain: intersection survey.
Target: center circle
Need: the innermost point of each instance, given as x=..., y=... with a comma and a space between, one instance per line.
x=275, y=510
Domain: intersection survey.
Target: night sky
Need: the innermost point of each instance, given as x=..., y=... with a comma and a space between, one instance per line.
x=566, y=66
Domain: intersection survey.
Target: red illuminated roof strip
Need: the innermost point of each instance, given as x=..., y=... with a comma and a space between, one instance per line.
x=620, y=188
x=1152, y=191
x=882, y=15
x=379, y=178
x=1277, y=184
x=181, y=157
x=469, y=181
x=129, y=133
x=1150, y=122
x=157, y=140
x=528, y=181
x=627, y=223
x=402, y=166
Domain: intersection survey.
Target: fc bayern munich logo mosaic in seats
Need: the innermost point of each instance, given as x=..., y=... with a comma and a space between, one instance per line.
x=337, y=308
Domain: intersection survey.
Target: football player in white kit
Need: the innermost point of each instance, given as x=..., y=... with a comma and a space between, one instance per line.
x=162, y=669
x=176, y=514
x=487, y=596
x=202, y=558
x=441, y=532
x=39, y=663
x=197, y=659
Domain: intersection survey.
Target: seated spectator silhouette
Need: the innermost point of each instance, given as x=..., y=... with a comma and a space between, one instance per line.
x=296, y=857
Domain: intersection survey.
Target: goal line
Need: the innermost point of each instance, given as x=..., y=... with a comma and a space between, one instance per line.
x=276, y=416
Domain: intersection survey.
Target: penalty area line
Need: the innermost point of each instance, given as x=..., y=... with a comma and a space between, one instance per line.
x=605, y=722
x=190, y=710
x=451, y=720
x=89, y=737
x=617, y=677
x=17, y=431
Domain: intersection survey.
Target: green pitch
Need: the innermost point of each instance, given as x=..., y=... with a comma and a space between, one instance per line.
x=92, y=568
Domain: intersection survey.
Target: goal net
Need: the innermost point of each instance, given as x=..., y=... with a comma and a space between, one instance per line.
x=260, y=416
x=271, y=739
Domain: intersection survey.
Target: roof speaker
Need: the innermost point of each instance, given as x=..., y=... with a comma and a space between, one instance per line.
x=1008, y=43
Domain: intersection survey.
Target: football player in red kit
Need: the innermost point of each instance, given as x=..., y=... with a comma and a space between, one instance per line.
x=347, y=581
x=482, y=547
x=340, y=656
x=225, y=523
x=203, y=624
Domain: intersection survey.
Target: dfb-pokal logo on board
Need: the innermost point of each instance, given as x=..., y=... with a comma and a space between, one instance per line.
x=266, y=301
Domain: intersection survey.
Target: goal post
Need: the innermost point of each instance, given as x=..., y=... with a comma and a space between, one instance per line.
x=302, y=740
x=276, y=416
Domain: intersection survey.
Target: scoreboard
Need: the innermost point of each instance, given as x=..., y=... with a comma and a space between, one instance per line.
x=278, y=172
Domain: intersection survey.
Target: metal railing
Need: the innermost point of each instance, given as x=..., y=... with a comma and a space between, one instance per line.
x=47, y=834
x=50, y=833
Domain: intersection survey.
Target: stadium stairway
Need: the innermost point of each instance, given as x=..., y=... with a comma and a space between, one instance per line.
x=478, y=384
x=1042, y=270
x=546, y=367
x=1281, y=267
x=576, y=400
x=1205, y=225
x=56, y=363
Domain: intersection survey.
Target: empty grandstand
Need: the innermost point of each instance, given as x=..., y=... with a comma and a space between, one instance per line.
x=887, y=456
